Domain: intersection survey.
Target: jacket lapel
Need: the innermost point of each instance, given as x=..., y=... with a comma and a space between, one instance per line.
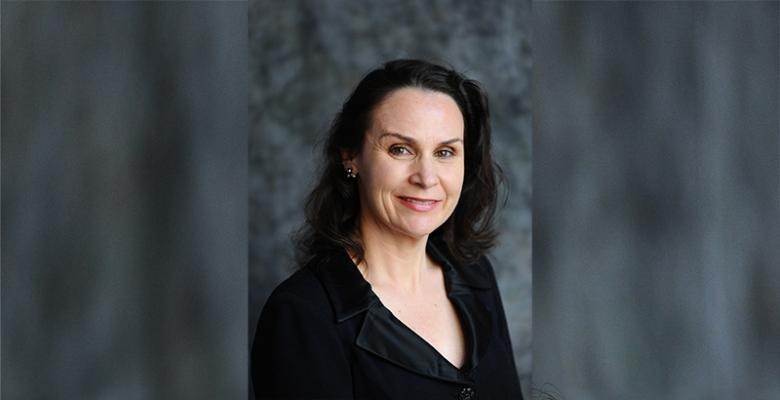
x=476, y=317
x=383, y=335
x=348, y=292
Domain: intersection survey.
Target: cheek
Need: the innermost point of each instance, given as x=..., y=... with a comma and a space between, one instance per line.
x=454, y=182
x=380, y=179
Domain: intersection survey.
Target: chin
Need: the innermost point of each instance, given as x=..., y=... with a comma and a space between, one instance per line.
x=419, y=231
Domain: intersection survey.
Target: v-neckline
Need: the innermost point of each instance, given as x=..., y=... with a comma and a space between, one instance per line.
x=466, y=339
x=459, y=314
x=380, y=334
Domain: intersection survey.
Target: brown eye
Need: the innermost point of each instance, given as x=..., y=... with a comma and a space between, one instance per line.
x=400, y=151
x=445, y=153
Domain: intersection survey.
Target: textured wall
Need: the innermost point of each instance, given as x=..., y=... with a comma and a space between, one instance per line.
x=305, y=58
x=124, y=200
x=656, y=202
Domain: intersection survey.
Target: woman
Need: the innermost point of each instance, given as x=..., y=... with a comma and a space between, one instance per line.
x=395, y=299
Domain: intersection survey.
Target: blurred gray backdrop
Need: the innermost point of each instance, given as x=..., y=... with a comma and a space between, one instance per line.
x=124, y=173
x=656, y=207
x=307, y=56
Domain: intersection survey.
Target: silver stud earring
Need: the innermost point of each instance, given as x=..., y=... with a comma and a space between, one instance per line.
x=351, y=174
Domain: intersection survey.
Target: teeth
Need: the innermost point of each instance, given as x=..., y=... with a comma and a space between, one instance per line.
x=424, y=203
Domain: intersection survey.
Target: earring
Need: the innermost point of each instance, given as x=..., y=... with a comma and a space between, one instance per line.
x=351, y=174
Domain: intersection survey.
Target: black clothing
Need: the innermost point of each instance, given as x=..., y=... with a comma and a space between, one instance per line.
x=324, y=334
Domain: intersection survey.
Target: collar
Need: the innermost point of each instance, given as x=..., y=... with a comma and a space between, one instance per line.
x=350, y=294
x=385, y=336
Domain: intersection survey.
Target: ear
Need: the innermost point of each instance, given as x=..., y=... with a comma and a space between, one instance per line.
x=346, y=157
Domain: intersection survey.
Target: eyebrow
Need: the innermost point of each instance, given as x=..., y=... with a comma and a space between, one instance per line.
x=413, y=140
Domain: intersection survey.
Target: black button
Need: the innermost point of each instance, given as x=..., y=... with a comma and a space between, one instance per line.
x=467, y=393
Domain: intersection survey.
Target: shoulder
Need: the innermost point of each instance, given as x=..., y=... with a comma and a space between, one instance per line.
x=302, y=283
x=297, y=351
x=485, y=268
x=478, y=273
x=301, y=292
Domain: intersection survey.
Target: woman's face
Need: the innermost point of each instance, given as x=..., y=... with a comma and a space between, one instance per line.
x=411, y=164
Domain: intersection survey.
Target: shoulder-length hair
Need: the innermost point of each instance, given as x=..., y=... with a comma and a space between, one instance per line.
x=332, y=208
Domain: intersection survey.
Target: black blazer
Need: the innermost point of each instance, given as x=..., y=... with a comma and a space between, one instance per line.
x=324, y=334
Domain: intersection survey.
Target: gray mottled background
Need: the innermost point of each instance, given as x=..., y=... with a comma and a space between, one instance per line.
x=307, y=56
x=124, y=185
x=656, y=202
x=124, y=173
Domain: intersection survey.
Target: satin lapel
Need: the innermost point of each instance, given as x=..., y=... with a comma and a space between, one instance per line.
x=464, y=284
x=477, y=323
x=383, y=335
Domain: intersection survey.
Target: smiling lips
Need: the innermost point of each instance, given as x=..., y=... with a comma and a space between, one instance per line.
x=419, y=204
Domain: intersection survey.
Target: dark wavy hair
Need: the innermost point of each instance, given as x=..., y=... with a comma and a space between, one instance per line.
x=332, y=209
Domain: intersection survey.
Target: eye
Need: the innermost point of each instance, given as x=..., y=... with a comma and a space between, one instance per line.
x=445, y=153
x=398, y=150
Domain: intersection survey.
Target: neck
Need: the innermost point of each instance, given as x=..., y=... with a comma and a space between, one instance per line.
x=393, y=260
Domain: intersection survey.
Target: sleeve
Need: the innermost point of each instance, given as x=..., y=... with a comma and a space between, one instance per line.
x=503, y=327
x=297, y=354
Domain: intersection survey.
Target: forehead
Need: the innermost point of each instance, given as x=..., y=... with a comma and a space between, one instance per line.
x=419, y=113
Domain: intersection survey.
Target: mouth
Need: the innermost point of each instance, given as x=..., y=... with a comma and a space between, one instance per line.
x=418, y=204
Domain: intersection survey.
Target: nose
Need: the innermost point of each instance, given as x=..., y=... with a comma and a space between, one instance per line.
x=424, y=174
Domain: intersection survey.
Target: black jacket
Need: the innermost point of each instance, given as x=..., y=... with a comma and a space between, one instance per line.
x=324, y=334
